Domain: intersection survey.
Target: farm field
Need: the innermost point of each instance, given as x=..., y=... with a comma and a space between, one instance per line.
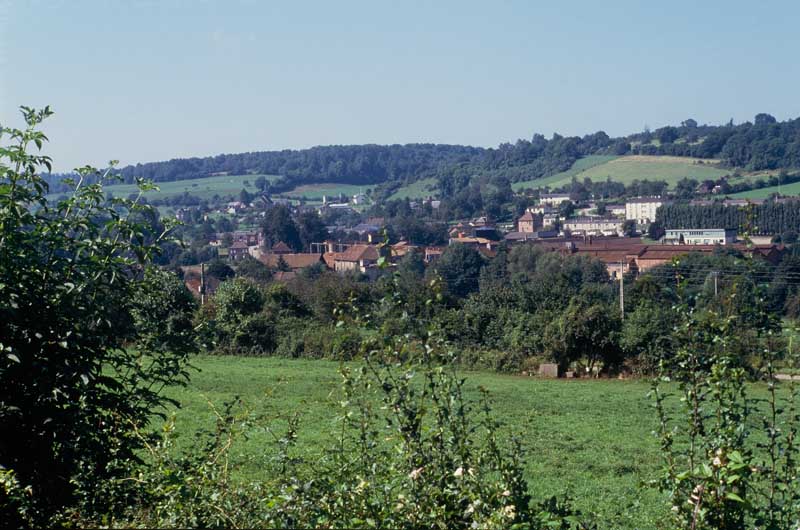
x=416, y=190
x=315, y=192
x=785, y=189
x=590, y=438
x=205, y=188
x=626, y=169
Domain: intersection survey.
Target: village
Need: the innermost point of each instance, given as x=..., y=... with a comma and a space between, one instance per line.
x=625, y=236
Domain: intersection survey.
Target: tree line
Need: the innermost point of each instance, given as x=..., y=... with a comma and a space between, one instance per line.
x=770, y=217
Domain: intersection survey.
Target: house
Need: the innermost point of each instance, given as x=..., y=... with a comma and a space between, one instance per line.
x=707, y=236
x=474, y=242
x=358, y=258
x=250, y=237
x=553, y=199
x=359, y=198
x=366, y=231
x=193, y=283
x=432, y=254
x=619, y=254
x=594, y=225
x=294, y=261
x=643, y=210
x=528, y=223
x=238, y=251
x=280, y=248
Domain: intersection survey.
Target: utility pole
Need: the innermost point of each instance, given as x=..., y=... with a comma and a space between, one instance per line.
x=716, y=277
x=622, y=289
x=202, y=284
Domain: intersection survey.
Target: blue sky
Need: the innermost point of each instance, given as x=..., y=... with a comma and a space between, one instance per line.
x=151, y=80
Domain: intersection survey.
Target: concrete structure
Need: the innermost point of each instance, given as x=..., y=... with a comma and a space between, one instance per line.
x=643, y=210
x=707, y=236
x=594, y=225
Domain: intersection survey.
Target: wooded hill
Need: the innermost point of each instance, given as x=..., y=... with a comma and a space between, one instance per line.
x=764, y=144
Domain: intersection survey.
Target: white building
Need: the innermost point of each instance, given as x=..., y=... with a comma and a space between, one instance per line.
x=643, y=209
x=607, y=226
x=706, y=236
x=553, y=199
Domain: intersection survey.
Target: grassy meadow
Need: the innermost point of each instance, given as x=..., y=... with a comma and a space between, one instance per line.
x=205, y=188
x=626, y=169
x=763, y=193
x=416, y=190
x=314, y=192
x=590, y=438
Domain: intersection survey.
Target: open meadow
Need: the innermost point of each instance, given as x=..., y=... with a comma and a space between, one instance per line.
x=416, y=190
x=590, y=438
x=205, y=187
x=626, y=169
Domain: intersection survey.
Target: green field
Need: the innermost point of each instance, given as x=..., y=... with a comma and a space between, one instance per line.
x=591, y=438
x=330, y=189
x=205, y=188
x=416, y=190
x=626, y=169
x=763, y=193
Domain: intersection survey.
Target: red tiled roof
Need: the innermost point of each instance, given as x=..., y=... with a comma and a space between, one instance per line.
x=294, y=261
x=527, y=216
x=358, y=253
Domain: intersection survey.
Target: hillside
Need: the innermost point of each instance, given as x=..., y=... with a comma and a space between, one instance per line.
x=626, y=169
x=669, y=153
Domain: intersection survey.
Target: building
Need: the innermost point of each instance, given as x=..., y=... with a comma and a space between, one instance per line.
x=357, y=258
x=643, y=210
x=606, y=226
x=528, y=223
x=707, y=236
x=239, y=250
x=616, y=209
x=553, y=199
x=432, y=254
x=293, y=261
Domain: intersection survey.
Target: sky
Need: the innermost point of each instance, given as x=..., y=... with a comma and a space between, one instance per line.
x=141, y=81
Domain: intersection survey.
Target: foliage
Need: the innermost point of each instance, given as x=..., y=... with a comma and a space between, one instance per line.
x=730, y=459
x=89, y=336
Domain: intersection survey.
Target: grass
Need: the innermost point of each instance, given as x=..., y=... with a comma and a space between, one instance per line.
x=416, y=190
x=763, y=193
x=590, y=438
x=205, y=188
x=626, y=169
x=330, y=189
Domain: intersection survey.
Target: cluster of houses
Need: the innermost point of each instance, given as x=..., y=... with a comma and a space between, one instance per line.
x=588, y=233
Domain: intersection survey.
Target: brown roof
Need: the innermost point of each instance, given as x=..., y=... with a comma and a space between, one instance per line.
x=329, y=258
x=358, y=253
x=284, y=276
x=280, y=246
x=294, y=261
x=527, y=216
x=239, y=244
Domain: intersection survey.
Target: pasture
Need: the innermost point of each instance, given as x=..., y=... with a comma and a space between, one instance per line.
x=590, y=438
x=763, y=193
x=314, y=192
x=416, y=190
x=205, y=188
x=626, y=169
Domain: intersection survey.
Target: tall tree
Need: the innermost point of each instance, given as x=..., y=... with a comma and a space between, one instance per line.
x=278, y=225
